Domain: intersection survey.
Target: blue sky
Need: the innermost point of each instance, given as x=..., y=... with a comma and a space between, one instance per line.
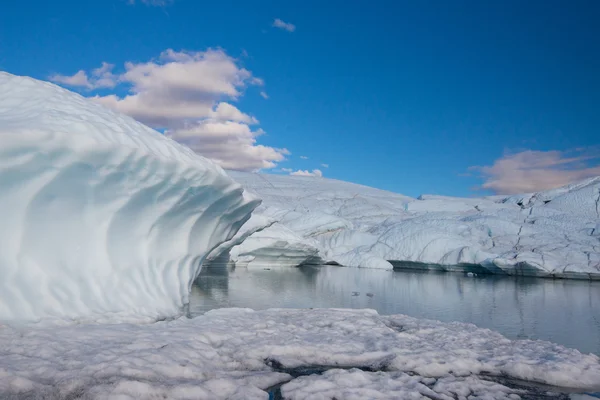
x=454, y=98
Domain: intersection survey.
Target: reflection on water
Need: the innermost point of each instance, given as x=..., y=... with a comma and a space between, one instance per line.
x=562, y=311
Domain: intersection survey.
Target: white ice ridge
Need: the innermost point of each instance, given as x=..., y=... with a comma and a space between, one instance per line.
x=551, y=233
x=100, y=215
x=240, y=353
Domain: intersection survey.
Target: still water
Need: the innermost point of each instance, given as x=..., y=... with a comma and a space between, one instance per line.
x=561, y=311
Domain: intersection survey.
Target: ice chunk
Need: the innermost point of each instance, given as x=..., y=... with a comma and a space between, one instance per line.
x=102, y=217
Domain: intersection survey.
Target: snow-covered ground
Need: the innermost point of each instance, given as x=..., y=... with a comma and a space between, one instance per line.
x=101, y=215
x=240, y=353
x=552, y=233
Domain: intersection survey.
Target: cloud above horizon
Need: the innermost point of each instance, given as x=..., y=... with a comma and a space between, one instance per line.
x=286, y=26
x=531, y=171
x=101, y=77
x=184, y=94
x=314, y=172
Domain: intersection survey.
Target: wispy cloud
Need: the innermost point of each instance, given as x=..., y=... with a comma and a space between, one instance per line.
x=304, y=157
x=101, y=77
x=264, y=95
x=530, y=171
x=325, y=165
x=277, y=23
x=314, y=172
x=80, y=79
x=188, y=95
x=154, y=3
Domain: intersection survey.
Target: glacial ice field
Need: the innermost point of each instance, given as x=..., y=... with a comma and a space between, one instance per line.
x=106, y=223
x=304, y=354
x=555, y=233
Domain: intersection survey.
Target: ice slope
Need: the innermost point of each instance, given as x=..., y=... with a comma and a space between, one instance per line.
x=100, y=215
x=550, y=233
x=240, y=354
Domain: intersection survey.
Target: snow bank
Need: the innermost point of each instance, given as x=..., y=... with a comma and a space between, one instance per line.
x=101, y=216
x=239, y=353
x=551, y=233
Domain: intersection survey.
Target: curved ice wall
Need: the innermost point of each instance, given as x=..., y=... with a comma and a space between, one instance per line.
x=100, y=216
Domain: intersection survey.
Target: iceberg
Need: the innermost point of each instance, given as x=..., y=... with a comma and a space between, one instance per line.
x=101, y=216
x=554, y=233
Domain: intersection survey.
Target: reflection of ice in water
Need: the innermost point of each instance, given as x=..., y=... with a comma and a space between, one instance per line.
x=562, y=311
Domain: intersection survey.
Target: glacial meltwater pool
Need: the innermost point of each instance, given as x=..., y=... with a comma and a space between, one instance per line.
x=562, y=311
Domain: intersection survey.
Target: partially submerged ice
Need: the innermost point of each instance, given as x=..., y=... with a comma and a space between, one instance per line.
x=310, y=354
x=100, y=215
x=552, y=233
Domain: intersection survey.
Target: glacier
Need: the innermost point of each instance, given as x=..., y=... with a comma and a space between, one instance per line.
x=101, y=216
x=553, y=233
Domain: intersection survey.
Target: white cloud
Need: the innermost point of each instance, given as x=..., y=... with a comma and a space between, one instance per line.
x=227, y=112
x=180, y=86
x=264, y=95
x=231, y=144
x=80, y=79
x=100, y=78
x=304, y=157
x=325, y=165
x=530, y=171
x=277, y=23
x=184, y=93
x=287, y=170
x=103, y=76
x=314, y=172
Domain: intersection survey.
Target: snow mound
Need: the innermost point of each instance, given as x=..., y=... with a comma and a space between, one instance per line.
x=101, y=216
x=551, y=233
x=240, y=353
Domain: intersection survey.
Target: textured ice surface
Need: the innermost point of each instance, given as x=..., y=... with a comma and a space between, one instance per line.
x=551, y=233
x=239, y=353
x=100, y=215
x=356, y=384
x=275, y=246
